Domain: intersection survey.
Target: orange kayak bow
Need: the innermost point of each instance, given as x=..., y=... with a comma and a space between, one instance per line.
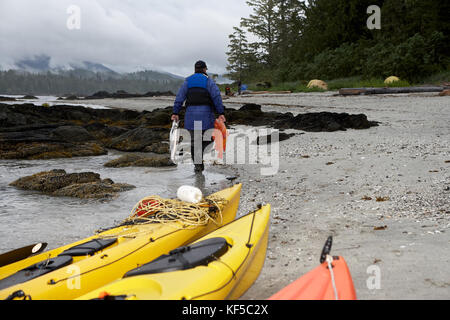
x=322, y=283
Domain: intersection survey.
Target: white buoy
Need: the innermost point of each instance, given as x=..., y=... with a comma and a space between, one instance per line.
x=189, y=194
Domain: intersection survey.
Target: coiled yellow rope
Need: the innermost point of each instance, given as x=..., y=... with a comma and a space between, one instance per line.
x=155, y=209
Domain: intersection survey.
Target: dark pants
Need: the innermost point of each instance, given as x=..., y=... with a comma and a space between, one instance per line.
x=197, y=153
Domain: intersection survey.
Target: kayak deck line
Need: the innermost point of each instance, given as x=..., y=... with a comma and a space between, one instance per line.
x=248, y=245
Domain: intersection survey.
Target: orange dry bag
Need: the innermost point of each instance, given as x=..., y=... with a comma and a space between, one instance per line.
x=220, y=137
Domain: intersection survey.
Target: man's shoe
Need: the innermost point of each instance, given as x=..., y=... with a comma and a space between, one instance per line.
x=199, y=168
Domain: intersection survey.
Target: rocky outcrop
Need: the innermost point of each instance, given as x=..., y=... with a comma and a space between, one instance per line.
x=30, y=114
x=80, y=185
x=158, y=148
x=49, y=150
x=326, y=122
x=104, y=133
x=35, y=132
x=134, y=160
x=71, y=97
x=138, y=139
x=252, y=114
x=72, y=134
x=93, y=190
x=268, y=138
x=29, y=97
x=125, y=95
x=7, y=99
x=48, y=142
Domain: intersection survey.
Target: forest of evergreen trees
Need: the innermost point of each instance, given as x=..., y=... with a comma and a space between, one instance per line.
x=330, y=39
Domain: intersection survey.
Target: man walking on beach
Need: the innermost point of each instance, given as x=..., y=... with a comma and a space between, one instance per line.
x=203, y=100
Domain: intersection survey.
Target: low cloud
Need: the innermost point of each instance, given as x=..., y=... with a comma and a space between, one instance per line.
x=125, y=35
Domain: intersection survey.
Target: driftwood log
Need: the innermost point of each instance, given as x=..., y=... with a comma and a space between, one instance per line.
x=366, y=91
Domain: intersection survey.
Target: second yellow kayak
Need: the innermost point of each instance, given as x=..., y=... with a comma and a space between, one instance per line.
x=221, y=265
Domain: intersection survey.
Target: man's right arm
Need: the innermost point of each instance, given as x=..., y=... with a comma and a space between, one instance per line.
x=179, y=100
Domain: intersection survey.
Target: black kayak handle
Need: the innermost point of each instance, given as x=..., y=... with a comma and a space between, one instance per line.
x=326, y=249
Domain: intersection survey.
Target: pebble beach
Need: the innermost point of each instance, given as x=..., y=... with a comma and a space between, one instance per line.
x=382, y=193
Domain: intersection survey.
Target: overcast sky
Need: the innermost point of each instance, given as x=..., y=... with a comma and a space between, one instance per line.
x=126, y=35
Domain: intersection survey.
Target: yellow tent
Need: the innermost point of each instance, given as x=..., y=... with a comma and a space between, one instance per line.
x=318, y=84
x=391, y=80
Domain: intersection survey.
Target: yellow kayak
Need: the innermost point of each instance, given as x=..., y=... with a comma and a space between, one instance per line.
x=76, y=269
x=221, y=265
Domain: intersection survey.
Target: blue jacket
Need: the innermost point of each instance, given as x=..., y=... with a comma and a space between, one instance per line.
x=203, y=113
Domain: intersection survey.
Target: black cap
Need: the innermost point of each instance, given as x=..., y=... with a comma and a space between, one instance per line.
x=200, y=65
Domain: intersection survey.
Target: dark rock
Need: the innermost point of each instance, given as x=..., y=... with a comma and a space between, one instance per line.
x=7, y=99
x=100, y=95
x=51, y=181
x=121, y=94
x=159, y=94
x=159, y=148
x=35, y=132
x=49, y=150
x=37, y=135
x=251, y=107
x=29, y=97
x=251, y=114
x=138, y=139
x=79, y=185
x=73, y=97
x=159, y=117
x=326, y=122
x=30, y=127
x=105, y=133
x=16, y=115
x=97, y=190
x=133, y=160
x=72, y=134
x=8, y=119
x=268, y=139
x=46, y=141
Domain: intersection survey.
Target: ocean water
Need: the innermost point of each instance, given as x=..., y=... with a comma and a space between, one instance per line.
x=50, y=100
x=28, y=217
